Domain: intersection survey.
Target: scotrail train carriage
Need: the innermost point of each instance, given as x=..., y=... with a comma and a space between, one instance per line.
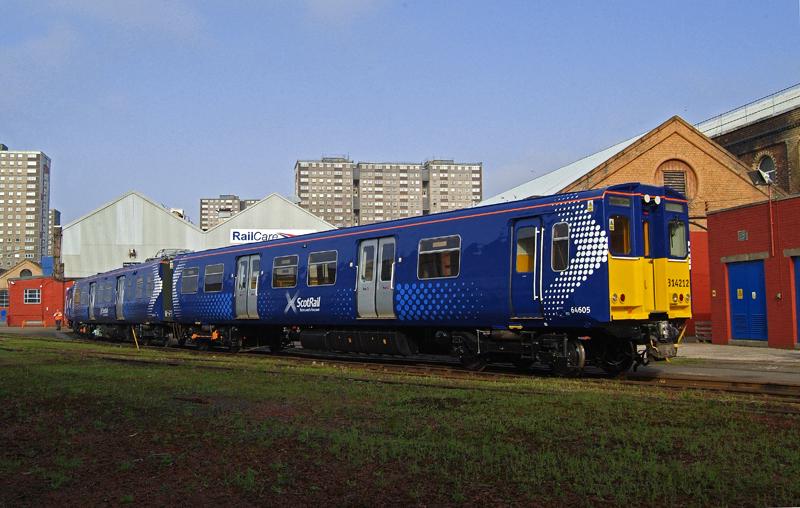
x=562, y=280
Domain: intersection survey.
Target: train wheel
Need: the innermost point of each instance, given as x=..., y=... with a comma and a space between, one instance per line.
x=576, y=360
x=618, y=356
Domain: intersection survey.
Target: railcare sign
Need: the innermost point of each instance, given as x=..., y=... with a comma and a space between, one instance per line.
x=262, y=235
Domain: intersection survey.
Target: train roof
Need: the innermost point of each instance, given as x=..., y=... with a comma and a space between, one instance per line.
x=439, y=217
x=122, y=270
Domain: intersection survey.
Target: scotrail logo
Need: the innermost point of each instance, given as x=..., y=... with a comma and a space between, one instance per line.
x=296, y=304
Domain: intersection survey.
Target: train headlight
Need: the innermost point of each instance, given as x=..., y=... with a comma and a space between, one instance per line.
x=688, y=297
x=680, y=297
x=647, y=198
x=657, y=199
x=674, y=297
x=614, y=298
x=622, y=298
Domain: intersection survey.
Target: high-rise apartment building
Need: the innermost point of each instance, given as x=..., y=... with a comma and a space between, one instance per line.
x=24, y=205
x=216, y=210
x=346, y=193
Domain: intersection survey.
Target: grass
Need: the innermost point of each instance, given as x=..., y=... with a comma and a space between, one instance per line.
x=262, y=430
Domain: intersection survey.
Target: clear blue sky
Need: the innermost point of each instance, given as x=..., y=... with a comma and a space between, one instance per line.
x=181, y=99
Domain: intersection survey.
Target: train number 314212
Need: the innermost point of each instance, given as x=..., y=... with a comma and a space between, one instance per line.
x=678, y=283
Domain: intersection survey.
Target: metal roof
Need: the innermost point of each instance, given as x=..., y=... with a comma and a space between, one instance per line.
x=554, y=181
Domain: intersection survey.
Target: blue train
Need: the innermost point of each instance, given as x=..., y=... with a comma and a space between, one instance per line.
x=594, y=277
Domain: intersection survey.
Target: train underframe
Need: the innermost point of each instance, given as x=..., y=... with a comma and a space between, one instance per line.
x=614, y=348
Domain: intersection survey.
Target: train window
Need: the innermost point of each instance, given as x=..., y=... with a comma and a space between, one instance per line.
x=387, y=262
x=646, y=238
x=284, y=271
x=212, y=278
x=675, y=207
x=439, y=258
x=150, y=286
x=189, y=280
x=619, y=235
x=559, y=260
x=322, y=268
x=619, y=201
x=139, y=287
x=526, y=246
x=76, y=296
x=677, y=239
x=367, y=263
x=255, y=271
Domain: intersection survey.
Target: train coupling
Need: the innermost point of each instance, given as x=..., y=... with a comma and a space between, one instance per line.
x=661, y=337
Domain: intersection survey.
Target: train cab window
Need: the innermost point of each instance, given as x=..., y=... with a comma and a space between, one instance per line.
x=526, y=246
x=559, y=260
x=189, y=280
x=677, y=239
x=284, y=271
x=322, y=268
x=150, y=286
x=646, y=237
x=139, y=287
x=675, y=207
x=212, y=278
x=619, y=235
x=439, y=258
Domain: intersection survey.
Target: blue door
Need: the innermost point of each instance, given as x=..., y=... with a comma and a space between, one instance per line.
x=526, y=268
x=748, y=302
x=797, y=290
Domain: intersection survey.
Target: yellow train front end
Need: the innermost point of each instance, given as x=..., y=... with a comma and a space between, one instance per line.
x=649, y=265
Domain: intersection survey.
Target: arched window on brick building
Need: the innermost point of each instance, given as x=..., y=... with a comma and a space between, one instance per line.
x=678, y=176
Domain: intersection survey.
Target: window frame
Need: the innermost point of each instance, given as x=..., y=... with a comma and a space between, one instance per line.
x=221, y=277
x=630, y=252
x=196, y=276
x=29, y=300
x=553, y=240
x=420, y=252
x=682, y=223
x=4, y=298
x=532, y=255
x=296, y=267
x=309, y=263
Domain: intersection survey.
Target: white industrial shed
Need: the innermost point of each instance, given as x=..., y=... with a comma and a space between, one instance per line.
x=133, y=228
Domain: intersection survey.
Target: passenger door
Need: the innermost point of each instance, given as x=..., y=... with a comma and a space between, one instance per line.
x=248, y=271
x=367, y=275
x=526, y=268
x=384, y=286
x=120, y=297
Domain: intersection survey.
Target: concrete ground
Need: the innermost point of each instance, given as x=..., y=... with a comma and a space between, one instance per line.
x=695, y=360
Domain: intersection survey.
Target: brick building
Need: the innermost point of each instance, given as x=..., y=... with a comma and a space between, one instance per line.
x=674, y=154
x=765, y=134
x=33, y=301
x=755, y=273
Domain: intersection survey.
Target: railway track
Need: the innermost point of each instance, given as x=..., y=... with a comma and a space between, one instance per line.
x=437, y=368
